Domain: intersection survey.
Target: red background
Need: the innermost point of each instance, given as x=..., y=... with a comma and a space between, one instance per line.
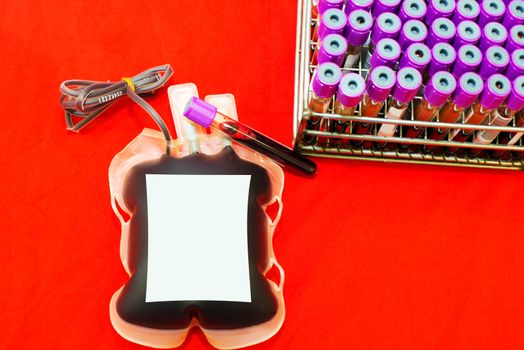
x=377, y=256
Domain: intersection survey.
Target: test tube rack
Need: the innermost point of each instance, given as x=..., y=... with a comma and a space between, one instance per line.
x=344, y=150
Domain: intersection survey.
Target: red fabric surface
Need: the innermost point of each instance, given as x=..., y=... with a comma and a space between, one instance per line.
x=377, y=256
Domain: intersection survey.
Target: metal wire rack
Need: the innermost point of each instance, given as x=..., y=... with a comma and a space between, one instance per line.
x=398, y=148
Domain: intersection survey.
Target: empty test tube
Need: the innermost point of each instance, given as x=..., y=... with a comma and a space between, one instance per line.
x=408, y=83
x=383, y=6
x=333, y=49
x=514, y=14
x=496, y=59
x=468, y=33
x=357, y=32
x=438, y=9
x=412, y=9
x=387, y=53
x=468, y=59
x=442, y=30
x=491, y=11
x=466, y=10
x=413, y=31
x=516, y=64
x=515, y=38
x=493, y=33
x=387, y=25
x=417, y=56
x=333, y=21
x=443, y=56
x=349, y=95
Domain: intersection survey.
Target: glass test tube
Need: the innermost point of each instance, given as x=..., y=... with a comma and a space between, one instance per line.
x=493, y=34
x=495, y=61
x=469, y=58
x=322, y=7
x=333, y=49
x=439, y=8
x=378, y=87
x=413, y=31
x=514, y=14
x=442, y=30
x=443, y=56
x=418, y=56
x=466, y=10
x=468, y=33
x=386, y=53
x=408, y=83
x=412, y=9
x=516, y=64
x=384, y=6
x=349, y=95
x=496, y=89
x=491, y=11
x=515, y=38
x=357, y=33
x=333, y=21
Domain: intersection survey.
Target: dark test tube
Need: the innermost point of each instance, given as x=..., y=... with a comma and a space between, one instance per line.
x=514, y=14
x=466, y=10
x=417, y=56
x=516, y=64
x=442, y=30
x=413, y=31
x=468, y=33
x=515, y=38
x=468, y=59
x=491, y=11
x=438, y=9
x=383, y=6
x=493, y=33
x=443, y=56
x=333, y=49
x=496, y=59
x=387, y=53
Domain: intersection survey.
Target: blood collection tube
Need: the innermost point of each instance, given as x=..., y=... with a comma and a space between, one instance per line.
x=378, y=87
x=439, y=8
x=515, y=38
x=207, y=115
x=503, y=115
x=442, y=30
x=412, y=9
x=468, y=89
x=491, y=11
x=468, y=33
x=516, y=64
x=514, y=14
x=519, y=123
x=509, y=138
x=408, y=83
x=322, y=7
x=466, y=10
x=413, y=31
x=357, y=32
x=468, y=59
x=333, y=49
x=387, y=53
x=387, y=25
x=443, y=55
x=496, y=59
x=383, y=6
x=496, y=89
x=333, y=21
x=493, y=33
x=352, y=5
x=417, y=56
x=349, y=95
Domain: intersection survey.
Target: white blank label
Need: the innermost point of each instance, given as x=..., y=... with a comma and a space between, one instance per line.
x=197, y=238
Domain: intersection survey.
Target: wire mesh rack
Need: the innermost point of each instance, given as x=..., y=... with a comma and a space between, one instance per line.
x=371, y=146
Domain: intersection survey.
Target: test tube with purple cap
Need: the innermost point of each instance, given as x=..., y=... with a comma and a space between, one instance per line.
x=468, y=59
x=416, y=56
x=333, y=49
x=333, y=22
x=515, y=38
x=438, y=9
x=442, y=30
x=349, y=95
x=322, y=7
x=466, y=10
x=491, y=11
x=412, y=9
x=493, y=34
x=383, y=6
x=496, y=59
x=357, y=32
x=516, y=64
x=413, y=31
x=387, y=25
x=352, y=5
x=514, y=14
x=468, y=33
x=387, y=53
x=443, y=56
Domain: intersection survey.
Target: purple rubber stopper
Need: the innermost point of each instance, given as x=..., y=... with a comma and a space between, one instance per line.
x=466, y=10
x=387, y=25
x=387, y=52
x=358, y=27
x=443, y=55
x=515, y=38
x=413, y=31
x=439, y=88
x=408, y=83
x=333, y=49
x=324, y=5
x=326, y=79
x=439, y=8
x=496, y=89
x=351, y=89
x=491, y=11
x=412, y=9
x=353, y=5
x=200, y=112
x=333, y=21
x=496, y=59
x=468, y=33
x=469, y=87
x=468, y=59
x=493, y=33
x=442, y=31
x=516, y=64
x=514, y=14
x=380, y=82
x=515, y=100
x=383, y=6
x=417, y=56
